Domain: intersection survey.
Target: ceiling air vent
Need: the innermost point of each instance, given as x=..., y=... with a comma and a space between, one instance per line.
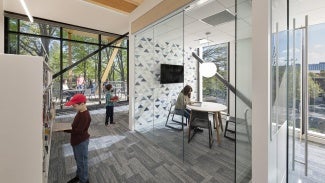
x=219, y=18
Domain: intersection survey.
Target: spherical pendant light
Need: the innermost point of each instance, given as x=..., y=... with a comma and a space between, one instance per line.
x=208, y=69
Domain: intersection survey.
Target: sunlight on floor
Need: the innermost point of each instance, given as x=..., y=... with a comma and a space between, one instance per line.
x=95, y=144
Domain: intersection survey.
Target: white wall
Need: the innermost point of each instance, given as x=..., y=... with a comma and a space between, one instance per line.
x=139, y=11
x=75, y=12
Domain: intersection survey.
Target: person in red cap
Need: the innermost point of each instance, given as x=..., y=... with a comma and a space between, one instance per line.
x=80, y=137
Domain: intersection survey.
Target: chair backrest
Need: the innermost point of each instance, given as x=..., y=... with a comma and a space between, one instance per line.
x=172, y=104
x=248, y=116
x=200, y=119
x=199, y=114
x=172, y=108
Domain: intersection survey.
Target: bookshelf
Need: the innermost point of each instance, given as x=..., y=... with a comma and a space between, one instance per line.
x=48, y=110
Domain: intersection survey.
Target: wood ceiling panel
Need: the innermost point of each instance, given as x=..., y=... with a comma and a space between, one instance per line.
x=136, y=2
x=125, y=6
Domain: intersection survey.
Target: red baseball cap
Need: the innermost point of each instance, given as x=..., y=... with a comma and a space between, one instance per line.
x=77, y=99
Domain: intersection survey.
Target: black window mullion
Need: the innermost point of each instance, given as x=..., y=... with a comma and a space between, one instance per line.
x=127, y=65
x=18, y=37
x=6, y=35
x=61, y=64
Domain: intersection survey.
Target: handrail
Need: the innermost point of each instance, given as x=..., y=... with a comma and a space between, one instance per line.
x=228, y=85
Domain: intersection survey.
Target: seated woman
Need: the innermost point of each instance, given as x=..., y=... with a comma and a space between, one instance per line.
x=183, y=99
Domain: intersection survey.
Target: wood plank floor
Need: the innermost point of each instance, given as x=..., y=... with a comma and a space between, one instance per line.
x=119, y=155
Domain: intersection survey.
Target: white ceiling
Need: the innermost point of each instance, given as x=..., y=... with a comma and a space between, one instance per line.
x=79, y=12
x=315, y=9
x=195, y=29
x=75, y=12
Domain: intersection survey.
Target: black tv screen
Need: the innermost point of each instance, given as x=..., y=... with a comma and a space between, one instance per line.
x=171, y=73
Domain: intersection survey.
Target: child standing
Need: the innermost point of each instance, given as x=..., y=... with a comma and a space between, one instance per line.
x=109, y=104
x=80, y=137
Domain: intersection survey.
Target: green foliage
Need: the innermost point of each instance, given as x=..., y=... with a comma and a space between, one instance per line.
x=72, y=51
x=313, y=88
x=217, y=54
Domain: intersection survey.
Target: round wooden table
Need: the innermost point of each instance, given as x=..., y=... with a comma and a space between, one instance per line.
x=211, y=107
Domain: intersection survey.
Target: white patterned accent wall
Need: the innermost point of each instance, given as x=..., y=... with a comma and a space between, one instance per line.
x=152, y=99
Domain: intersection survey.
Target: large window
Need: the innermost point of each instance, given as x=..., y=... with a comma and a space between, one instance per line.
x=65, y=45
x=213, y=89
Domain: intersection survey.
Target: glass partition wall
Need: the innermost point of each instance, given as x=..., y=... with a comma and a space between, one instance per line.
x=243, y=85
x=172, y=41
x=161, y=43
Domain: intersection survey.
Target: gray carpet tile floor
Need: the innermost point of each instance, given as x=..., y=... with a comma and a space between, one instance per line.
x=152, y=155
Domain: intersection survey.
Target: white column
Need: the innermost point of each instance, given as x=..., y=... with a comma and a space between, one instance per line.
x=261, y=90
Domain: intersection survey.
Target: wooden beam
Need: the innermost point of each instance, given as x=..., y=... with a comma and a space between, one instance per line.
x=110, y=62
x=91, y=35
x=119, y=5
x=81, y=33
x=163, y=9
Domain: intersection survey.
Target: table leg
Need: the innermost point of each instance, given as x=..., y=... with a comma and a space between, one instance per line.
x=189, y=128
x=220, y=121
x=216, y=121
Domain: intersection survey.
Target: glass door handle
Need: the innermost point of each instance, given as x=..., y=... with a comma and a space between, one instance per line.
x=305, y=103
x=306, y=95
x=294, y=94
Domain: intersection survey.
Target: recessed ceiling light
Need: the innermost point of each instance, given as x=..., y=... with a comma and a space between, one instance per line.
x=204, y=41
x=201, y=2
x=22, y=2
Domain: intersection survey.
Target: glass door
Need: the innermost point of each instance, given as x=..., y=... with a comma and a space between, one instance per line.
x=297, y=136
x=306, y=134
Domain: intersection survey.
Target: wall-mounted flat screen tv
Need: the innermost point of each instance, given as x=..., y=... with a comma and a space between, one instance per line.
x=171, y=73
